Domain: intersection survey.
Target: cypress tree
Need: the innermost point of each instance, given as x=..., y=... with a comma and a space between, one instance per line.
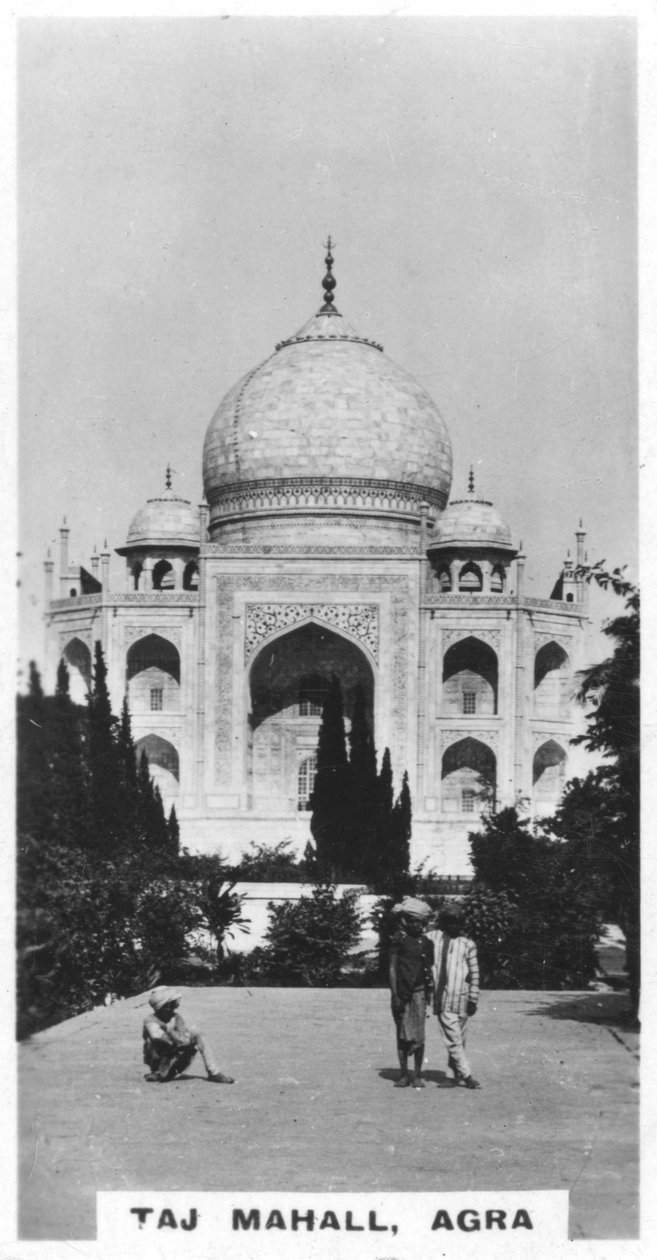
x=400, y=834
x=173, y=833
x=329, y=823
x=363, y=794
x=33, y=770
x=104, y=762
x=69, y=786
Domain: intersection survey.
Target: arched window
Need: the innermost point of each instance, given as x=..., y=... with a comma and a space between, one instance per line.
x=190, y=576
x=468, y=777
x=470, y=578
x=470, y=678
x=153, y=675
x=306, y=782
x=444, y=579
x=549, y=774
x=136, y=572
x=497, y=579
x=164, y=578
x=163, y=763
x=78, y=659
x=551, y=682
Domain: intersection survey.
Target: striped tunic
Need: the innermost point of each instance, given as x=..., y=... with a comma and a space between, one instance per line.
x=457, y=982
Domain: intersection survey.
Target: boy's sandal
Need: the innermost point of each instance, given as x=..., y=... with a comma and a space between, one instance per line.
x=220, y=1079
x=470, y=1082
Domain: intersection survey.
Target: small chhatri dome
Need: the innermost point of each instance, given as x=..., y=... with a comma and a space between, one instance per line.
x=472, y=523
x=326, y=428
x=167, y=520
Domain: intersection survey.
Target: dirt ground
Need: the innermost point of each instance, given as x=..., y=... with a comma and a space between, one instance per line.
x=314, y=1106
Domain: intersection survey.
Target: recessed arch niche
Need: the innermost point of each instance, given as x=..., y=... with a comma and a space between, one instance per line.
x=288, y=682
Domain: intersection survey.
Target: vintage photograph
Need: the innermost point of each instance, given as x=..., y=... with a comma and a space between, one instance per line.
x=327, y=856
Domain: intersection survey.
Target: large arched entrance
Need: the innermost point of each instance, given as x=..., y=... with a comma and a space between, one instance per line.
x=288, y=683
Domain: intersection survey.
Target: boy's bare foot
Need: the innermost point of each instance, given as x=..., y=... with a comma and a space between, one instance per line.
x=402, y=1082
x=470, y=1082
x=418, y=1083
x=220, y=1079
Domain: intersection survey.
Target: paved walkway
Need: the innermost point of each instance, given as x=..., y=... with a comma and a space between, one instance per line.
x=314, y=1106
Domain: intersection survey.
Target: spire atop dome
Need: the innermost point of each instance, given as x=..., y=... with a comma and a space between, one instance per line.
x=167, y=481
x=329, y=282
x=471, y=484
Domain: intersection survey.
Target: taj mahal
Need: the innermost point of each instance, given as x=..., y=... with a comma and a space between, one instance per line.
x=327, y=543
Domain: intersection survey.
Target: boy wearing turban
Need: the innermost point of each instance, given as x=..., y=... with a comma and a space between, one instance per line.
x=411, y=961
x=170, y=1044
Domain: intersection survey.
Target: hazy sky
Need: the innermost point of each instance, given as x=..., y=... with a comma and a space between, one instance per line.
x=178, y=178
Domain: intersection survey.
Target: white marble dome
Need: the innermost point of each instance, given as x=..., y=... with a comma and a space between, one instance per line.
x=327, y=427
x=472, y=523
x=167, y=520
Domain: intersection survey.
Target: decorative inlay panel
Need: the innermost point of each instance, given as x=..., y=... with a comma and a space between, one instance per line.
x=453, y=736
x=132, y=633
x=71, y=632
x=321, y=584
x=274, y=548
x=463, y=600
x=297, y=494
x=359, y=620
x=542, y=737
x=492, y=637
x=562, y=640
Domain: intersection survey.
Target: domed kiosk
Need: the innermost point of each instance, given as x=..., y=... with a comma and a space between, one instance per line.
x=325, y=548
x=327, y=434
x=162, y=544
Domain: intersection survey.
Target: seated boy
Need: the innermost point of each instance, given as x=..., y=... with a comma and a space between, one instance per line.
x=170, y=1044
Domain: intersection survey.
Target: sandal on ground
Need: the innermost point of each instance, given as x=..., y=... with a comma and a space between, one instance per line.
x=402, y=1082
x=220, y=1079
x=470, y=1083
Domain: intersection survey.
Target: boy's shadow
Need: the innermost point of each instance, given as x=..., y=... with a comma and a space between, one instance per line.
x=444, y=1080
x=184, y=1076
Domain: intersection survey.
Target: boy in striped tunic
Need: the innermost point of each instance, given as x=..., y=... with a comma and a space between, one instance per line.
x=456, y=990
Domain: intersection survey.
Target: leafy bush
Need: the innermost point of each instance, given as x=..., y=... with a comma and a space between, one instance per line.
x=534, y=909
x=309, y=940
x=273, y=863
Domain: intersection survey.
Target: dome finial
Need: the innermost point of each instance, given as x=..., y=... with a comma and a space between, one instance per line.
x=471, y=480
x=168, y=477
x=328, y=282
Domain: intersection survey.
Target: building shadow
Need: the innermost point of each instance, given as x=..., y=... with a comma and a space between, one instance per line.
x=611, y=1009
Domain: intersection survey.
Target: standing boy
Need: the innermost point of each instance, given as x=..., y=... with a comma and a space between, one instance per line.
x=411, y=959
x=170, y=1044
x=456, y=990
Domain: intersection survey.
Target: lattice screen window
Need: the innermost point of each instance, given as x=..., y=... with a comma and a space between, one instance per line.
x=157, y=697
x=467, y=801
x=469, y=702
x=306, y=782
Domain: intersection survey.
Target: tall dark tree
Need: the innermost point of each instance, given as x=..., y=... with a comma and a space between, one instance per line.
x=329, y=823
x=68, y=776
x=363, y=819
x=104, y=763
x=33, y=769
x=173, y=833
x=400, y=847
x=607, y=802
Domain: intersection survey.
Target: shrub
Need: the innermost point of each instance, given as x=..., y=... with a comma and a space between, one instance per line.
x=309, y=940
x=534, y=905
x=272, y=863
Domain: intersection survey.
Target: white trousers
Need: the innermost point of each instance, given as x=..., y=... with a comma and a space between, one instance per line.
x=452, y=1027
